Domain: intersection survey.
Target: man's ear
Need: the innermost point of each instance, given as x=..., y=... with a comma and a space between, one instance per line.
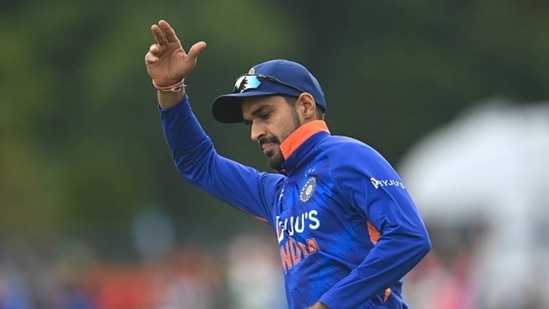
x=307, y=105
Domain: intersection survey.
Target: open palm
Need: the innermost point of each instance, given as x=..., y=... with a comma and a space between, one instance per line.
x=167, y=62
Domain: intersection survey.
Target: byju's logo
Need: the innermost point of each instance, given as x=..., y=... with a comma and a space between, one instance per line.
x=297, y=224
x=386, y=183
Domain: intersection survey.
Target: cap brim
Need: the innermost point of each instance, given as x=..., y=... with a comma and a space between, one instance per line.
x=227, y=108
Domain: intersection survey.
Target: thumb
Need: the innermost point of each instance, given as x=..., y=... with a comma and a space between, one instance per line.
x=196, y=49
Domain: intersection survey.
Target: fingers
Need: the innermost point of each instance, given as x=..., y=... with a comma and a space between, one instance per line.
x=196, y=49
x=159, y=35
x=150, y=59
x=164, y=33
x=151, y=56
x=154, y=49
x=168, y=31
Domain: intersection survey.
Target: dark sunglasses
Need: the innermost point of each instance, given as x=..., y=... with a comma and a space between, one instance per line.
x=252, y=81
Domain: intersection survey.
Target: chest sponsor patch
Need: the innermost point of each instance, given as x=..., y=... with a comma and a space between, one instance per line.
x=386, y=183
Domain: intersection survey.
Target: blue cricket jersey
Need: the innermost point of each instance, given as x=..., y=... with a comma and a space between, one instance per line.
x=347, y=228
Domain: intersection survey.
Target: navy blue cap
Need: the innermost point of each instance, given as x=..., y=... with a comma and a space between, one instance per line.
x=290, y=79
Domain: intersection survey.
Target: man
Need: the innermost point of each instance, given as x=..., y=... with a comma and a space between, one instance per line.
x=347, y=229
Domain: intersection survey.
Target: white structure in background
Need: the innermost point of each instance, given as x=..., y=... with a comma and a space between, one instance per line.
x=254, y=273
x=492, y=165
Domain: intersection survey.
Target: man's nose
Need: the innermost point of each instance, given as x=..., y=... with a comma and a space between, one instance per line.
x=256, y=132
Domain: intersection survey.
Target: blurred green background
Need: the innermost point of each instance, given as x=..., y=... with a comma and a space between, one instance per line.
x=81, y=148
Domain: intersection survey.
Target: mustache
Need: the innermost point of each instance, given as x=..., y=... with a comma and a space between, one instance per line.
x=264, y=140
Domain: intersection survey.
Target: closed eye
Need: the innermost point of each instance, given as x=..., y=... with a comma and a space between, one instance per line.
x=262, y=112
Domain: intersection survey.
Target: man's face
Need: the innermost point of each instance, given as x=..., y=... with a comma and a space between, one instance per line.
x=271, y=120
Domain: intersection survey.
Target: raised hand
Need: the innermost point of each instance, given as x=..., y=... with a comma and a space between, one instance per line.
x=167, y=62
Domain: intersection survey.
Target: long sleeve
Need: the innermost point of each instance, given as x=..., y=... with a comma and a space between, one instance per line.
x=396, y=230
x=197, y=161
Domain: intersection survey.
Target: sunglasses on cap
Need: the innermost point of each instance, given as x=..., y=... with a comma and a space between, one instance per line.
x=252, y=81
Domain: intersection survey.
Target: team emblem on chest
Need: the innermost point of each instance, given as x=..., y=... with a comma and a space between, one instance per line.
x=307, y=190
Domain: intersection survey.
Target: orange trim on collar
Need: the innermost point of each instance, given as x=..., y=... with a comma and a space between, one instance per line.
x=300, y=135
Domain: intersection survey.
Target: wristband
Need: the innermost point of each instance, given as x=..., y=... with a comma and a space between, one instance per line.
x=177, y=87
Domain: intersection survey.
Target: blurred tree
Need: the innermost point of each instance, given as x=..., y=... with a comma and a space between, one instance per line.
x=80, y=139
x=394, y=70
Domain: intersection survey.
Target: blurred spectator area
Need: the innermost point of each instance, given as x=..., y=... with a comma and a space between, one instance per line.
x=482, y=184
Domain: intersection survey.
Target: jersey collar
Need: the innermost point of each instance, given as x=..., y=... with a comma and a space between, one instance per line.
x=300, y=135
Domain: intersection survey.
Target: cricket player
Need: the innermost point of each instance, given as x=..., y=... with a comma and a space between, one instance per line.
x=347, y=229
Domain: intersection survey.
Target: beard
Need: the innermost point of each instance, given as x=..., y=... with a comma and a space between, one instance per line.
x=275, y=159
x=274, y=156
